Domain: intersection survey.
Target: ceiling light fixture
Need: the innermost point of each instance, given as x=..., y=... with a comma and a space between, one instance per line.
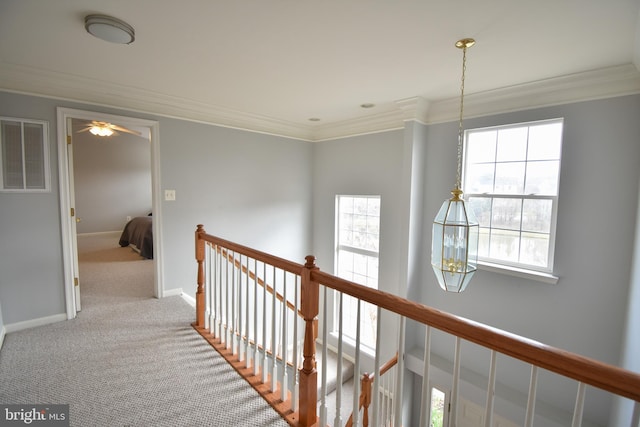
x=454, y=244
x=109, y=29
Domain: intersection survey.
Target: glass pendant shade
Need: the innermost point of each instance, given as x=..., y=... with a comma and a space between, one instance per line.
x=454, y=244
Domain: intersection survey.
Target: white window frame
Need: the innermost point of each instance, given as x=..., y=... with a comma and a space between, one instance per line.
x=365, y=346
x=45, y=157
x=540, y=273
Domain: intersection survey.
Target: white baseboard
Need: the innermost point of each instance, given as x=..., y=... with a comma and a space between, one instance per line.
x=99, y=233
x=172, y=292
x=189, y=299
x=3, y=332
x=32, y=323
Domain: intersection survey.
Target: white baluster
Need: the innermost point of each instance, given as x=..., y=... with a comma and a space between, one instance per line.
x=230, y=300
x=425, y=407
x=285, y=342
x=356, y=372
x=274, y=330
x=376, y=410
x=256, y=365
x=219, y=292
x=578, y=409
x=455, y=388
x=399, y=379
x=294, y=357
x=338, y=416
x=323, y=374
x=247, y=310
x=531, y=402
x=264, y=323
x=491, y=390
x=635, y=418
x=207, y=285
x=239, y=304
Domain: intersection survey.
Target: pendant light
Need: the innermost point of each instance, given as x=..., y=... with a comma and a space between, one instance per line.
x=454, y=245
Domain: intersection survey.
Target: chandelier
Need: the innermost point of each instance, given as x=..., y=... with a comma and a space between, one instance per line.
x=454, y=244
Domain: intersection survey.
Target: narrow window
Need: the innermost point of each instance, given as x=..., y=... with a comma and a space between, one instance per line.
x=24, y=154
x=358, y=235
x=511, y=180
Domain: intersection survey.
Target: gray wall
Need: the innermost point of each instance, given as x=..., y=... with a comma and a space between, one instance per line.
x=363, y=165
x=585, y=311
x=247, y=187
x=30, y=242
x=233, y=182
x=112, y=178
x=238, y=183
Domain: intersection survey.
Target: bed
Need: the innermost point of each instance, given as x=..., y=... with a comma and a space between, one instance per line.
x=139, y=235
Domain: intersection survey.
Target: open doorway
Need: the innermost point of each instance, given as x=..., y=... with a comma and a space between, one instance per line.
x=70, y=124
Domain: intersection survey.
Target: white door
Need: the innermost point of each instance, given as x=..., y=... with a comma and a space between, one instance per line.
x=74, y=218
x=67, y=199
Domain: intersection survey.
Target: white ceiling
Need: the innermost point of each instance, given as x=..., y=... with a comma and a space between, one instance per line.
x=271, y=65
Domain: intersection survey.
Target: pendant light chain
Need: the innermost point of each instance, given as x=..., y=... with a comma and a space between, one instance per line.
x=460, y=130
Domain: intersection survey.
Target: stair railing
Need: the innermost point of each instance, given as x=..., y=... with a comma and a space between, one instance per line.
x=301, y=285
x=366, y=386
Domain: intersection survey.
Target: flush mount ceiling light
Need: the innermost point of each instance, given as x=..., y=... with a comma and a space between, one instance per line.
x=454, y=244
x=109, y=29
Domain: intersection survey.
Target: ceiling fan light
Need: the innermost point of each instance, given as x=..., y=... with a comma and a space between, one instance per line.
x=109, y=29
x=101, y=131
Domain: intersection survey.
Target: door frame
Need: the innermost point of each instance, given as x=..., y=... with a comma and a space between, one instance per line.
x=65, y=170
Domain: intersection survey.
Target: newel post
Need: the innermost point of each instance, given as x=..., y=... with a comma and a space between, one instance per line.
x=200, y=292
x=309, y=306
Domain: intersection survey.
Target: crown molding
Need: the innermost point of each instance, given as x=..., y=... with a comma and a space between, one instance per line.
x=596, y=84
x=371, y=123
x=47, y=83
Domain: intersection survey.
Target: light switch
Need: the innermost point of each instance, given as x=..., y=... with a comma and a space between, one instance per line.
x=170, y=195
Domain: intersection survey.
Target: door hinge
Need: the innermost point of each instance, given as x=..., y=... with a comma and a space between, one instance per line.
x=73, y=212
x=68, y=139
x=76, y=282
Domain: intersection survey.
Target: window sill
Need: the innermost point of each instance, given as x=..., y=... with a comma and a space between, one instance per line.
x=519, y=272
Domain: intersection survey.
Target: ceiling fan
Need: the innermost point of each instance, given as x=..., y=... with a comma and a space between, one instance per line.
x=106, y=129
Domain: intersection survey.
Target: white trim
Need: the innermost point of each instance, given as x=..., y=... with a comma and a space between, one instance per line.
x=98, y=233
x=595, y=84
x=3, y=332
x=63, y=171
x=32, y=323
x=189, y=299
x=172, y=292
x=538, y=276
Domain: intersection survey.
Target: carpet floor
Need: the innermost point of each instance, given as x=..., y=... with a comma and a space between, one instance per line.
x=128, y=359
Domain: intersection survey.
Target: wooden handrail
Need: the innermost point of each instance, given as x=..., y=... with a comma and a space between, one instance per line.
x=580, y=368
x=366, y=383
x=281, y=263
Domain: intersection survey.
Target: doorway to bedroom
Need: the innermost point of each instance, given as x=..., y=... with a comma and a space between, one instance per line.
x=107, y=182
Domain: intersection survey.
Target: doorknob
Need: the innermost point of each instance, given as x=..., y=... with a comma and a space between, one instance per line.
x=78, y=219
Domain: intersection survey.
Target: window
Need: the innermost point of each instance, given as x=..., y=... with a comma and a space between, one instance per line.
x=511, y=176
x=24, y=154
x=357, y=236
